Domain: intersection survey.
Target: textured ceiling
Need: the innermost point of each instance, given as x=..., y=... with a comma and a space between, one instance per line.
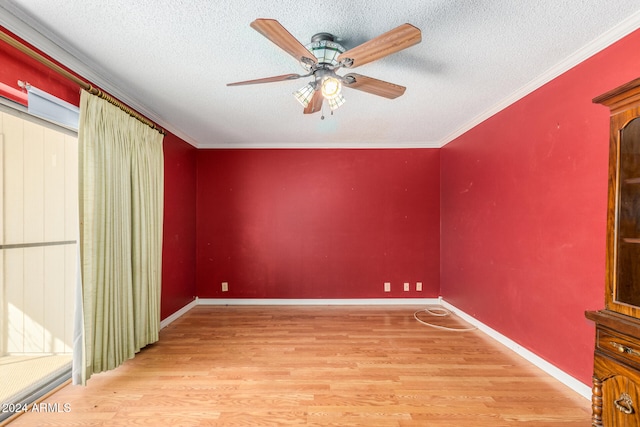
x=171, y=60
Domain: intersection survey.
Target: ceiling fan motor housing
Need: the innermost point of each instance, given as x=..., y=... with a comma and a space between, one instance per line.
x=323, y=36
x=325, y=49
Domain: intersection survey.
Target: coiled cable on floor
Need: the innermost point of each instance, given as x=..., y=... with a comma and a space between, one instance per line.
x=440, y=312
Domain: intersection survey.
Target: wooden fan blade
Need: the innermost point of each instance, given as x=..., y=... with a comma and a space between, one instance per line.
x=402, y=37
x=373, y=86
x=315, y=104
x=267, y=80
x=274, y=31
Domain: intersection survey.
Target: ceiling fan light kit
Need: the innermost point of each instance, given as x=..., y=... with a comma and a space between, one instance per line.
x=324, y=56
x=330, y=87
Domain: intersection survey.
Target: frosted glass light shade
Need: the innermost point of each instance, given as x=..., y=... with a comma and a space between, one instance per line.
x=331, y=87
x=304, y=94
x=336, y=102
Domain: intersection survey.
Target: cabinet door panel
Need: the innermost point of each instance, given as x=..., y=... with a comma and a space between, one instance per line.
x=620, y=402
x=627, y=283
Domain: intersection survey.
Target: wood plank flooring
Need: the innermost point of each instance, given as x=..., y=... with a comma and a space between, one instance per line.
x=323, y=366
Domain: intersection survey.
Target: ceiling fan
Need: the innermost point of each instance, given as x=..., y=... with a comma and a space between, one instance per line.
x=324, y=56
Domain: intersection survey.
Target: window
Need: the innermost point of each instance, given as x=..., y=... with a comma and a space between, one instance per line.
x=38, y=253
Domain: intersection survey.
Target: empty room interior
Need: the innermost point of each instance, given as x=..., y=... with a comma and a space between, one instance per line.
x=415, y=242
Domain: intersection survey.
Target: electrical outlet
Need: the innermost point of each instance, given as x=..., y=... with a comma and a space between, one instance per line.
x=419, y=286
x=387, y=286
x=225, y=286
x=406, y=286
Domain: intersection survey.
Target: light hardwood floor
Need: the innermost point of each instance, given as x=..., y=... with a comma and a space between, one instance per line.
x=317, y=366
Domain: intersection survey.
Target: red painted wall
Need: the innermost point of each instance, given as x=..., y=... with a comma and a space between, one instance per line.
x=524, y=212
x=179, y=237
x=178, y=274
x=18, y=66
x=317, y=223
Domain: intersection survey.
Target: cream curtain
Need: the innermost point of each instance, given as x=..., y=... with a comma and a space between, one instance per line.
x=121, y=209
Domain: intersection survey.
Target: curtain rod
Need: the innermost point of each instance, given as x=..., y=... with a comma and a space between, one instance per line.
x=84, y=85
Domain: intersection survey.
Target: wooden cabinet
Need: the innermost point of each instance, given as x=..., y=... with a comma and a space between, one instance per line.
x=616, y=374
x=616, y=379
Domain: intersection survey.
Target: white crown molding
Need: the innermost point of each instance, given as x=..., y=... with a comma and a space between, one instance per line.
x=616, y=33
x=337, y=146
x=22, y=25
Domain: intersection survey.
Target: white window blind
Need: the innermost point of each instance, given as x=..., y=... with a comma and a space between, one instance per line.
x=49, y=107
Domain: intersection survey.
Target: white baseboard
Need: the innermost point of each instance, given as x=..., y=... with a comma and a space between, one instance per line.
x=277, y=301
x=167, y=321
x=566, y=379
x=284, y=301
